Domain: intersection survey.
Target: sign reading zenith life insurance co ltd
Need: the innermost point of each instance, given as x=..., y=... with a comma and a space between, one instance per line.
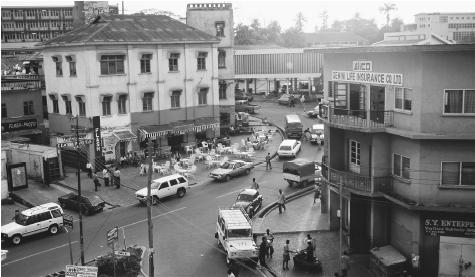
x=362, y=74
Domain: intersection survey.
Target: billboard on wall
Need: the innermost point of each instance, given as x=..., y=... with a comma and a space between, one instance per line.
x=454, y=225
x=97, y=137
x=94, y=8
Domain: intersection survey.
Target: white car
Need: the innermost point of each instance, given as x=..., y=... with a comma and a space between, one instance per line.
x=289, y=148
x=174, y=184
x=44, y=218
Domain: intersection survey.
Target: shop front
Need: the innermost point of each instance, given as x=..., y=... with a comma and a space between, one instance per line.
x=117, y=144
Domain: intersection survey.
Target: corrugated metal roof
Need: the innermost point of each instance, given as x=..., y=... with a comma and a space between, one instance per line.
x=332, y=37
x=132, y=29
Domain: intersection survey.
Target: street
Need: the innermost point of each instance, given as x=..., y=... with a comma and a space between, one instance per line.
x=183, y=228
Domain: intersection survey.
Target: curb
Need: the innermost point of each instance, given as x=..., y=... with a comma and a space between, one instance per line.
x=267, y=209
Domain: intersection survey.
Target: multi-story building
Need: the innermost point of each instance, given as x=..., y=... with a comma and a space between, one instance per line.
x=22, y=108
x=145, y=76
x=435, y=28
x=216, y=19
x=400, y=141
x=24, y=26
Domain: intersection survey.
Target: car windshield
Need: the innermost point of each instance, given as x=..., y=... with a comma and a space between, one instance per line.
x=245, y=197
x=239, y=233
x=285, y=148
x=227, y=165
x=94, y=199
x=21, y=219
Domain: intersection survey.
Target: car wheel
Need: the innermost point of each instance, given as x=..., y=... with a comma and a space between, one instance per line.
x=248, y=171
x=53, y=229
x=155, y=200
x=16, y=239
x=227, y=178
x=181, y=192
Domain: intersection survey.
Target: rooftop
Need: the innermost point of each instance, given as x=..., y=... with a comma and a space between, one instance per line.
x=132, y=29
x=398, y=48
x=333, y=37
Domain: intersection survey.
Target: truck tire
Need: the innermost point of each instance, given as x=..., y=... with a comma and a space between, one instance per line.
x=181, y=192
x=17, y=239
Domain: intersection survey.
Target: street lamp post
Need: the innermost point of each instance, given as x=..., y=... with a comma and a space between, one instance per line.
x=149, y=209
x=81, y=236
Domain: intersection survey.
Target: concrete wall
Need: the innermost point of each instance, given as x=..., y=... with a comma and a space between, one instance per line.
x=14, y=101
x=405, y=232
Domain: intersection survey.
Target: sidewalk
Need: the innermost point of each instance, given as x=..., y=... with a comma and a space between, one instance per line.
x=302, y=217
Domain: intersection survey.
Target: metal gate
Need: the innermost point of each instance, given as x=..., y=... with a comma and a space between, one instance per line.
x=69, y=157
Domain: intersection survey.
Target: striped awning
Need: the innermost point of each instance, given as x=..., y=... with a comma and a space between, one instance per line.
x=125, y=135
x=203, y=124
x=178, y=128
x=154, y=131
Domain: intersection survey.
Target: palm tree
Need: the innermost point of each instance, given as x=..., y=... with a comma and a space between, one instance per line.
x=300, y=21
x=387, y=9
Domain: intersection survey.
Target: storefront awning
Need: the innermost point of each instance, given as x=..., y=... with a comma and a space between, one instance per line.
x=125, y=135
x=154, y=131
x=181, y=127
x=202, y=124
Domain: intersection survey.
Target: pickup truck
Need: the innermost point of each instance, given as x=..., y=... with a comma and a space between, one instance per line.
x=244, y=106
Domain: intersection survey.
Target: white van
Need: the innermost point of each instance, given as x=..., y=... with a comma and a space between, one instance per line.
x=174, y=184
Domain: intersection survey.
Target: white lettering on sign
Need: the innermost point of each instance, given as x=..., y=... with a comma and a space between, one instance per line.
x=362, y=66
x=394, y=79
x=97, y=132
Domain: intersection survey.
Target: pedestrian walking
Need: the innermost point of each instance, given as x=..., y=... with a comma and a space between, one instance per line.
x=286, y=256
x=262, y=252
x=255, y=185
x=316, y=194
x=95, y=179
x=281, y=201
x=345, y=264
x=89, y=169
x=306, y=134
x=313, y=242
x=268, y=164
x=117, y=177
x=106, y=175
x=270, y=246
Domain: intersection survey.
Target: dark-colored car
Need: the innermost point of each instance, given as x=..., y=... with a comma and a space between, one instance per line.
x=240, y=94
x=249, y=200
x=90, y=202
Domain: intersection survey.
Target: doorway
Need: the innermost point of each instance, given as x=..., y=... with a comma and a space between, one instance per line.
x=377, y=103
x=357, y=100
x=175, y=142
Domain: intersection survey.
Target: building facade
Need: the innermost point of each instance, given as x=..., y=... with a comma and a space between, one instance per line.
x=217, y=20
x=459, y=27
x=147, y=77
x=400, y=144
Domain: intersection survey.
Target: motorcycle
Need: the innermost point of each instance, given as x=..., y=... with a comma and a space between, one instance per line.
x=302, y=263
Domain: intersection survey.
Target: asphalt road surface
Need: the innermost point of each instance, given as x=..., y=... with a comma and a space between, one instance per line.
x=183, y=228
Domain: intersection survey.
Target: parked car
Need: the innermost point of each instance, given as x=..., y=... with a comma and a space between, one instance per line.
x=317, y=135
x=284, y=100
x=245, y=106
x=44, y=218
x=174, y=184
x=90, y=202
x=314, y=113
x=289, y=148
x=249, y=200
x=299, y=172
x=240, y=94
x=231, y=169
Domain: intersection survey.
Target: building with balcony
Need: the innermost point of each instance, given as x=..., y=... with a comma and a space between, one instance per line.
x=23, y=109
x=147, y=77
x=400, y=144
x=216, y=19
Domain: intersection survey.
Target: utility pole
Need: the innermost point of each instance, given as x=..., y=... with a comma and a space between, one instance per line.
x=341, y=222
x=81, y=236
x=122, y=7
x=149, y=209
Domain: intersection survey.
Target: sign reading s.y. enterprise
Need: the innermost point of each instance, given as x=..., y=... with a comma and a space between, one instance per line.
x=392, y=79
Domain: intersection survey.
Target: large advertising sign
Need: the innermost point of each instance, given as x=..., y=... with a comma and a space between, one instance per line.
x=96, y=133
x=453, y=226
x=22, y=124
x=95, y=8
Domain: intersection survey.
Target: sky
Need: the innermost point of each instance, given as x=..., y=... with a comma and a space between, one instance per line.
x=285, y=12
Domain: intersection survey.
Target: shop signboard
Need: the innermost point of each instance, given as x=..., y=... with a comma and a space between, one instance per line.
x=80, y=271
x=453, y=226
x=377, y=78
x=96, y=136
x=18, y=125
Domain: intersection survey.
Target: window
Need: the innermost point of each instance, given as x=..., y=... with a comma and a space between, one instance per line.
x=459, y=101
x=44, y=216
x=112, y=64
x=355, y=156
x=340, y=96
x=173, y=62
x=222, y=90
x=201, y=60
x=221, y=59
x=401, y=166
x=164, y=185
x=4, y=110
x=55, y=105
x=145, y=63
x=106, y=105
x=147, y=101
x=403, y=99
x=464, y=36
x=173, y=182
x=56, y=213
x=81, y=105
x=458, y=174
x=121, y=103
x=219, y=29
x=72, y=65
x=175, y=98
x=202, y=96
x=67, y=104
x=28, y=108
x=182, y=180
x=59, y=66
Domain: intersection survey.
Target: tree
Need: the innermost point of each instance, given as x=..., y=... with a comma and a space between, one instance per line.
x=395, y=26
x=324, y=17
x=293, y=37
x=387, y=9
x=299, y=21
x=243, y=35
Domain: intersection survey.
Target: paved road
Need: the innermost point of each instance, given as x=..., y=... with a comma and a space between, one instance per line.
x=183, y=228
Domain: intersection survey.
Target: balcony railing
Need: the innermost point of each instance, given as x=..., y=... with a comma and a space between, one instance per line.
x=22, y=82
x=356, y=181
x=360, y=118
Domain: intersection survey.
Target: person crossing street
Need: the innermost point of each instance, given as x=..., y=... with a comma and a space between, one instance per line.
x=268, y=164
